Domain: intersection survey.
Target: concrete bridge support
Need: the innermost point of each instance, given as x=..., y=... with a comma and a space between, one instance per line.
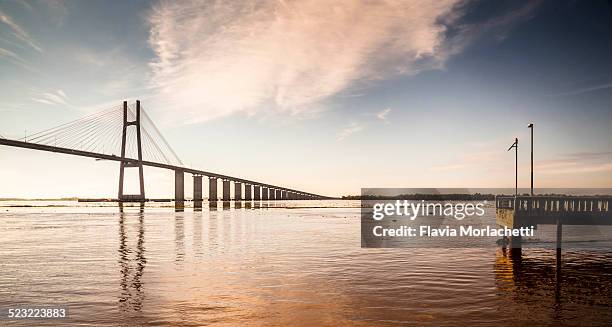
x=237, y=191
x=272, y=194
x=197, y=191
x=212, y=189
x=123, y=164
x=226, y=190
x=283, y=195
x=264, y=193
x=179, y=189
x=248, y=192
x=256, y=192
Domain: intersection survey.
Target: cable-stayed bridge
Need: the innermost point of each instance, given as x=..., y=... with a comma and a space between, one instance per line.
x=126, y=134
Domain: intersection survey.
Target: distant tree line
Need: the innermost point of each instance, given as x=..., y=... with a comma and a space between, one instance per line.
x=449, y=197
x=426, y=197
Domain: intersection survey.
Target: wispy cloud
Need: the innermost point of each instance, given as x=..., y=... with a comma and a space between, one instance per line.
x=584, y=90
x=18, y=31
x=217, y=58
x=349, y=130
x=57, y=97
x=573, y=163
x=382, y=115
x=14, y=58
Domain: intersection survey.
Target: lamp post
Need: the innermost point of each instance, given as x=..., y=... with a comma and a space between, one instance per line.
x=515, y=146
x=530, y=126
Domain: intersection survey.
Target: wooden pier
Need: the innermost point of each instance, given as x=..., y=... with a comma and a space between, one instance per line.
x=524, y=211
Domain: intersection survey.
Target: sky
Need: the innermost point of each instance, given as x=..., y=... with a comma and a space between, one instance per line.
x=327, y=97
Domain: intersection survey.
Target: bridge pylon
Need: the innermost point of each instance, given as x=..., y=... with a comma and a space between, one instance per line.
x=138, y=163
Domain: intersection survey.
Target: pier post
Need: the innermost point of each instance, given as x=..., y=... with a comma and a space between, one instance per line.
x=237, y=191
x=247, y=192
x=212, y=189
x=264, y=193
x=197, y=191
x=272, y=194
x=256, y=193
x=226, y=190
x=558, y=258
x=179, y=189
x=559, y=240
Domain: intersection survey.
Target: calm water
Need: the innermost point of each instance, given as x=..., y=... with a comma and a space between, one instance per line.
x=276, y=266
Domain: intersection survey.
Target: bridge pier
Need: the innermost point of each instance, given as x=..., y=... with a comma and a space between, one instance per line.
x=272, y=194
x=264, y=193
x=247, y=192
x=179, y=189
x=256, y=192
x=237, y=191
x=226, y=190
x=137, y=164
x=197, y=191
x=212, y=189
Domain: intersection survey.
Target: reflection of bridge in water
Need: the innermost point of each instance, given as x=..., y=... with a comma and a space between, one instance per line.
x=132, y=263
x=127, y=135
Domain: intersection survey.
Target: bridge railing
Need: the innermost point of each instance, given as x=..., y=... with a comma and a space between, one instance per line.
x=551, y=205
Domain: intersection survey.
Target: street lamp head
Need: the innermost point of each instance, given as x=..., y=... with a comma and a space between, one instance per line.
x=530, y=125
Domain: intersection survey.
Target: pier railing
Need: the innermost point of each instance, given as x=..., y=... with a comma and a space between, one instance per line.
x=554, y=204
x=545, y=209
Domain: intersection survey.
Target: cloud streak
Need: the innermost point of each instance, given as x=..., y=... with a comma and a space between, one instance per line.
x=18, y=31
x=382, y=115
x=218, y=58
x=57, y=97
x=584, y=90
x=349, y=130
x=573, y=163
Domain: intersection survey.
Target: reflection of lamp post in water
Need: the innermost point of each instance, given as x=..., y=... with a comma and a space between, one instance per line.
x=515, y=146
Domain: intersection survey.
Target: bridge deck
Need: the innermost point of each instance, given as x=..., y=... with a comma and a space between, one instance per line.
x=48, y=148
